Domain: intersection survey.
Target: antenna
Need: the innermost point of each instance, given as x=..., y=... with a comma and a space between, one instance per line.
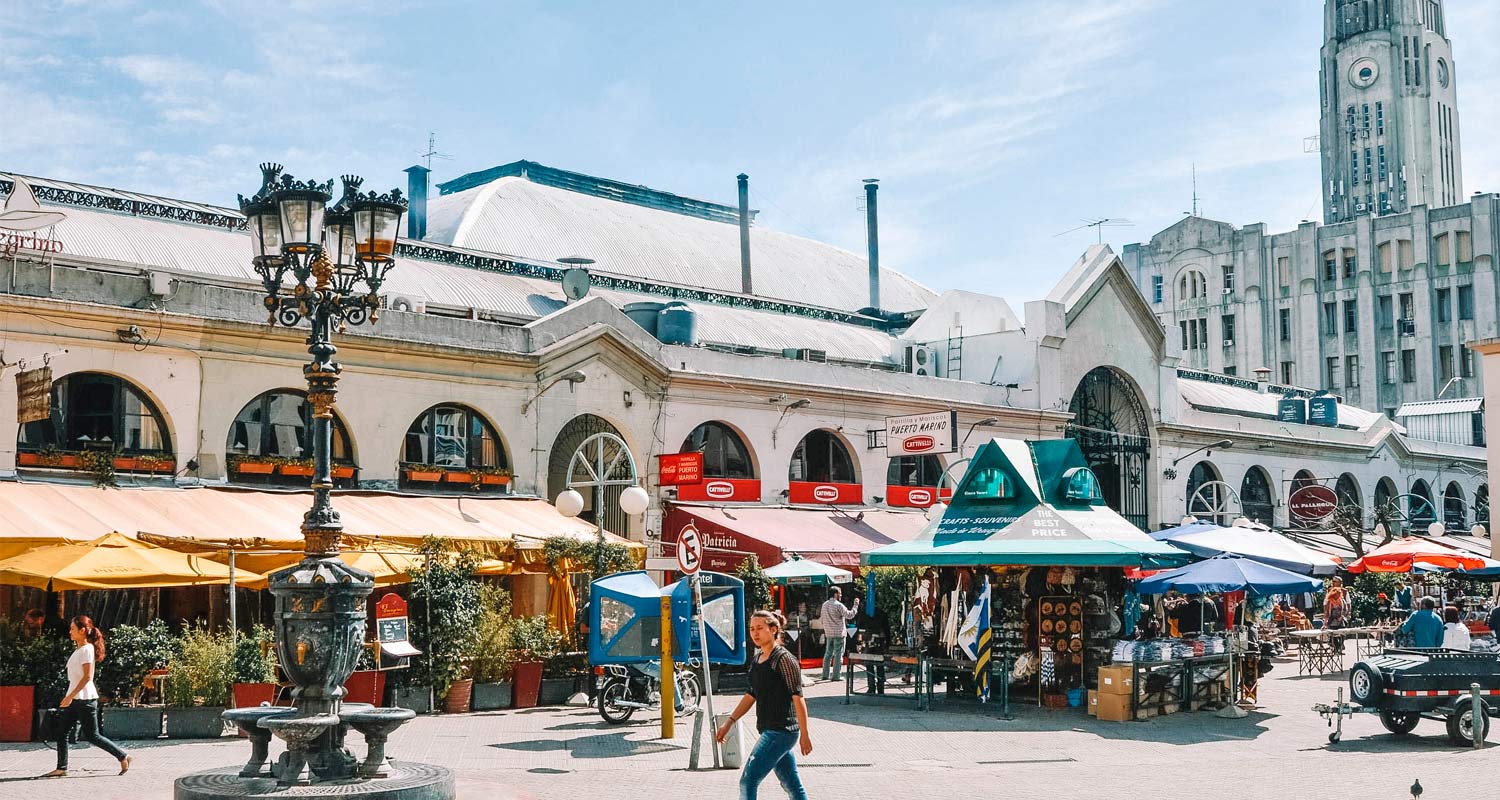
x=432, y=151
x=1098, y=225
x=1312, y=144
x=1195, y=190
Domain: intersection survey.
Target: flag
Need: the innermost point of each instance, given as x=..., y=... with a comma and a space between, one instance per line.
x=982, y=662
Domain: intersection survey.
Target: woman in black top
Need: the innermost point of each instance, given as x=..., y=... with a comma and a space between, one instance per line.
x=776, y=691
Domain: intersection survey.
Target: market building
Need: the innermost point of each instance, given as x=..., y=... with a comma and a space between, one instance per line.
x=694, y=330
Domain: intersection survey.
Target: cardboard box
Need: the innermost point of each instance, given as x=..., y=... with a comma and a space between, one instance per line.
x=1093, y=703
x=1113, y=707
x=1117, y=680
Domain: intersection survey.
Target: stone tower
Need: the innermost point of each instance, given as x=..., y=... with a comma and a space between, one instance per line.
x=1389, y=132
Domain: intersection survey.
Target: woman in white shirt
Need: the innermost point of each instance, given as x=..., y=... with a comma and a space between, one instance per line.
x=1455, y=633
x=81, y=703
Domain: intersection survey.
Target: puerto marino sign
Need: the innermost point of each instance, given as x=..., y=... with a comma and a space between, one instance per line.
x=921, y=434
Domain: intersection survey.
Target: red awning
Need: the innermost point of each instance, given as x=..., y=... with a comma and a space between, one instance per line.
x=772, y=533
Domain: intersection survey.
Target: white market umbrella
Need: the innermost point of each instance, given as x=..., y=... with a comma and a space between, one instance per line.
x=806, y=572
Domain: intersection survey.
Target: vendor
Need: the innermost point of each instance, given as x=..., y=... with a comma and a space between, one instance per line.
x=1382, y=606
x=1425, y=627
x=1289, y=617
x=1403, y=597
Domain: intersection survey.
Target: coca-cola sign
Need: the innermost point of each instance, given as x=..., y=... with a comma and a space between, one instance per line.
x=826, y=494
x=1312, y=504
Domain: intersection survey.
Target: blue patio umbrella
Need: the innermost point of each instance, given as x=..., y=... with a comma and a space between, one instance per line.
x=1229, y=574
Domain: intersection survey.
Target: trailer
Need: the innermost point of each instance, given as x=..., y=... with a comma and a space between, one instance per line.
x=1406, y=685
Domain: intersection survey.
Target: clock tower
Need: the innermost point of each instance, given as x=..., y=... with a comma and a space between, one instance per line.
x=1389, y=132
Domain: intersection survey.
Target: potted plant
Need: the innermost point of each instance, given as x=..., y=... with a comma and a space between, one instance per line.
x=366, y=684
x=494, y=476
x=458, y=476
x=494, y=659
x=562, y=675
x=197, y=690
x=132, y=652
x=29, y=678
x=533, y=642
x=295, y=467
x=445, y=607
x=343, y=472
x=251, y=465
x=254, y=669
x=428, y=473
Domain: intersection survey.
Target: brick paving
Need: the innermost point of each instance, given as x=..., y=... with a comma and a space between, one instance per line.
x=880, y=745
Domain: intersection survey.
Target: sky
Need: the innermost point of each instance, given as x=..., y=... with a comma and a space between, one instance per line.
x=996, y=129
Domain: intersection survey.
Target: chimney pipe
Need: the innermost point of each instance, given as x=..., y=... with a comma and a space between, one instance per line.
x=872, y=234
x=744, y=181
x=416, y=193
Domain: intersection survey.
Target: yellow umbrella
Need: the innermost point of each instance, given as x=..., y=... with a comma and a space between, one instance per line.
x=562, y=606
x=113, y=561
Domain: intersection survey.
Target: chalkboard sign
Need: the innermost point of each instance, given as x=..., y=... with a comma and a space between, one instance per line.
x=392, y=630
x=1292, y=409
x=1323, y=411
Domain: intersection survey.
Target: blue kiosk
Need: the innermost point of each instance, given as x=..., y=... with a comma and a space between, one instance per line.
x=625, y=619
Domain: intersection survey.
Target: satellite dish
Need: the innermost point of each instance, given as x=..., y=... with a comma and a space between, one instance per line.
x=575, y=283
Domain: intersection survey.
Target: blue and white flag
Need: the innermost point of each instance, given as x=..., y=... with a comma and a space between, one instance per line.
x=982, y=662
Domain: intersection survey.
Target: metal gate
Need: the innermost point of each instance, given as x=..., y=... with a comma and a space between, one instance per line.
x=1110, y=424
x=564, y=446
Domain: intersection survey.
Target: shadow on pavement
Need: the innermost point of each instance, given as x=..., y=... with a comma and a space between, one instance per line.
x=604, y=745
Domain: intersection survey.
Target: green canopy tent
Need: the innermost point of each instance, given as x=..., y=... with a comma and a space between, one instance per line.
x=1029, y=504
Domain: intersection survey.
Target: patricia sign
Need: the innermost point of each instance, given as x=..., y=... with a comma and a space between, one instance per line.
x=921, y=434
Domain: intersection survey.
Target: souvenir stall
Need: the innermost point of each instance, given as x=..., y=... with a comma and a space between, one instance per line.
x=800, y=586
x=1028, y=521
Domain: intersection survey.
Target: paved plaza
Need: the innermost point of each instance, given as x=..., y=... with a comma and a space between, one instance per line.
x=883, y=745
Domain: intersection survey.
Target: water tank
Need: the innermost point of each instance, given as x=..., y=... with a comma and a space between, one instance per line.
x=644, y=314
x=677, y=324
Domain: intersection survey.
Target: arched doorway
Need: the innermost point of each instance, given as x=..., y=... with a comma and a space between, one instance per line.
x=1455, y=513
x=1421, y=510
x=564, y=446
x=1347, y=490
x=1207, y=498
x=1385, y=490
x=270, y=443
x=1112, y=427
x=1303, y=478
x=1255, y=496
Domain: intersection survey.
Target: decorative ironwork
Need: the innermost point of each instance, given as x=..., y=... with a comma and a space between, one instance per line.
x=1215, y=501
x=1112, y=427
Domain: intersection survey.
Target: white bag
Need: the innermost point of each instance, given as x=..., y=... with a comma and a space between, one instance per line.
x=733, y=748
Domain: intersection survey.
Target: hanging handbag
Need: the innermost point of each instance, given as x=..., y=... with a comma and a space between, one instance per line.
x=49, y=722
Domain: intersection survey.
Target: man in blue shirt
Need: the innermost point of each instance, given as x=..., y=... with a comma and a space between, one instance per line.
x=1425, y=626
x=1403, y=597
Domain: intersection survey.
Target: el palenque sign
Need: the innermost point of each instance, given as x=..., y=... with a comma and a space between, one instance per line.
x=921, y=434
x=34, y=395
x=1312, y=504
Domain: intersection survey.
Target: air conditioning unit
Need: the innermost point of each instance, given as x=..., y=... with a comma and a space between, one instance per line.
x=1228, y=291
x=1359, y=208
x=804, y=354
x=407, y=303
x=1229, y=343
x=921, y=360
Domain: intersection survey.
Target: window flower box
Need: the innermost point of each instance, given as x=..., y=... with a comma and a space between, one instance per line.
x=494, y=480
x=427, y=475
x=54, y=460
x=343, y=473
x=296, y=470
x=458, y=477
x=255, y=467
x=144, y=464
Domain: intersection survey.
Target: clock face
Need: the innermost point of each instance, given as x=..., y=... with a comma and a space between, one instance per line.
x=1363, y=73
x=1442, y=73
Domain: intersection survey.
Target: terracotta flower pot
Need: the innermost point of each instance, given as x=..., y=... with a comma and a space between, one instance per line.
x=423, y=475
x=526, y=684
x=459, y=695
x=343, y=473
x=297, y=470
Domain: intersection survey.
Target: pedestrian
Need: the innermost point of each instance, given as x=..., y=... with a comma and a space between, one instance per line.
x=780, y=711
x=1424, y=626
x=1455, y=633
x=835, y=617
x=1493, y=621
x=1403, y=597
x=81, y=703
x=1335, y=605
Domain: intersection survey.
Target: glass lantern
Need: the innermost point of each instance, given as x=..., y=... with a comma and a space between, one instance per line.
x=376, y=223
x=301, y=219
x=264, y=225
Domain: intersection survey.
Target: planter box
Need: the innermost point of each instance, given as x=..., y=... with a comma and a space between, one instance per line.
x=61, y=461
x=131, y=464
x=555, y=691
x=416, y=698
x=343, y=473
x=527, y=684
x=459, y=694
x=423, y=475
x=255, y=467
x=250, y=695
x=494, y=480
x=296, y=470
x=458, y=477
x=366, y=686
x=17, y=706
x=205, y=722
x=491, y=696
x=123, y=722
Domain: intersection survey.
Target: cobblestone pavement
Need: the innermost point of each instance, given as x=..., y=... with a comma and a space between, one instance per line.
x=880, y=744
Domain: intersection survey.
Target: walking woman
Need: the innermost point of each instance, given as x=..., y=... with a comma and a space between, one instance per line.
x=780, y=714
x=81, y=703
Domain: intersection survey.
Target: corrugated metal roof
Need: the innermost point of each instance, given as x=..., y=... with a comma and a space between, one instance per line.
x=1428, y=447
x=1454, y=405
x=1234, y=400
x=155, y=242
x=515, y=216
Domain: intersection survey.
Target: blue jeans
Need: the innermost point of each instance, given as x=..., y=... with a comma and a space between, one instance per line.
x=833, y=655
x=772, y=753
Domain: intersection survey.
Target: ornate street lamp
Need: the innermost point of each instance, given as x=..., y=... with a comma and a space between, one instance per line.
x=337, y=259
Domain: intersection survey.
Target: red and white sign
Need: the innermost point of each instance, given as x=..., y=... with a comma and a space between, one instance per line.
x=389, y=606
x=921, y=434
x=1312, y=504
x=915, y=496
x=724, y=490
x=689, y=550
x=678, y=469
x=813, y=493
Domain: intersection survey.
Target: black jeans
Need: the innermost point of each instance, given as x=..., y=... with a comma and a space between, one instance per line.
x=86, y=713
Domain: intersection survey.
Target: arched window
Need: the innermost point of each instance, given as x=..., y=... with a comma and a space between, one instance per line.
x=1209, y=504
x=914, y=471
x=456, y=447
x=270, y=442
x=93, y=411
x=1385, y=489
x=1347, y=491
x=1455, y=515
x=822, y=458
x=1255, y=496
x=1303, y=478
x=1192, y=286
x=1421, y=512
x=724, y=452
x=1080, y=486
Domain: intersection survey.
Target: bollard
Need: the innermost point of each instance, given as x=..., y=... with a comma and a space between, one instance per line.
x=668, y=673
x=1477, y=709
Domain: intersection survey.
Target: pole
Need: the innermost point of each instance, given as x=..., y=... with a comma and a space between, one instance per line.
x=708, y=684
x=668, y=673
x=234, y=619
x=1477, y=710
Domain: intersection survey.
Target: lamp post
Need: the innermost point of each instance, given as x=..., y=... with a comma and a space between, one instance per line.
x=339, y=258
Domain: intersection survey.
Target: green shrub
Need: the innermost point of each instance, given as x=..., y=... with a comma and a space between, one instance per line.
x=202, y=669
x=445, y=609
x=757, y=585
x=533, y=639
x=494, y=658
x=39, y=661
x=255, y=657
x=130, y=653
